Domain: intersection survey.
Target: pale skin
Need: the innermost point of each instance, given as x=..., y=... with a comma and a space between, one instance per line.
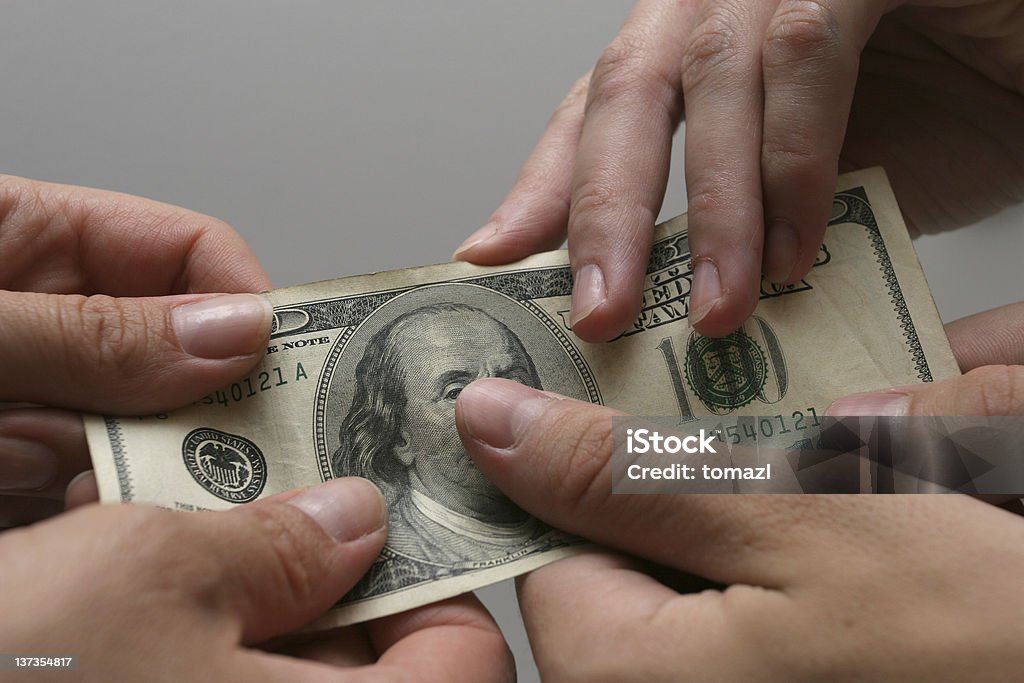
x=139, y=593
x=803, y=588
x=116, y=304
x=88, y=289
x=740, y=195
x=778, y=96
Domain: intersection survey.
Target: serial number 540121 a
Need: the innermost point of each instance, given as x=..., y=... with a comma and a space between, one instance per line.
x=246, y=388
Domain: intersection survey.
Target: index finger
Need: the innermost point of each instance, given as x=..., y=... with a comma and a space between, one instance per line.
x=64, y=239
x=724, y=90
x=634, y=103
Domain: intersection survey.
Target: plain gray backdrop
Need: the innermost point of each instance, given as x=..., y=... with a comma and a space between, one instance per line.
x=341, y=137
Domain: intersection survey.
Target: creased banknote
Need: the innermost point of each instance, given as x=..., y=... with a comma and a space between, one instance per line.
x=361, y=377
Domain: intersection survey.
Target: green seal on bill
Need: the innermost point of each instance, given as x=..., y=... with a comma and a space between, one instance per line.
x=725, y=373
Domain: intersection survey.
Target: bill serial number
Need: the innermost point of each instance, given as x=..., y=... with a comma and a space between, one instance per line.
x=754, y=428
x=255, y=384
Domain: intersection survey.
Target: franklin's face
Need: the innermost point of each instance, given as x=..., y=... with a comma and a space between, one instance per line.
x=441, y=354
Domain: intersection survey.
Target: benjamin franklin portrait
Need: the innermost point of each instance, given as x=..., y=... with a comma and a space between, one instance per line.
x=386, y=411
x=400, y=432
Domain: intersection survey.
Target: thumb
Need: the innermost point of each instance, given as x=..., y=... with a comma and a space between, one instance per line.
x=994, y=390
x=258, y=571
x=283, y=562
x=137, y=355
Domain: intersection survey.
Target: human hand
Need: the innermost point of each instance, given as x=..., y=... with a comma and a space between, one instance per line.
x=803, y=588
x=102, y=300
x=989, y=347
x=769, y=99
x=140, y=593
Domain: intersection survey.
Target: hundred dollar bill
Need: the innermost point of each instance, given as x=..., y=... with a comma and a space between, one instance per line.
x=361, y=377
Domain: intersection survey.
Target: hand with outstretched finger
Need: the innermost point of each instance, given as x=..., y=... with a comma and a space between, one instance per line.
x=778, y=96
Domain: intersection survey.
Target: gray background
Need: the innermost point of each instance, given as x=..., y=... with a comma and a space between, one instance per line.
x=340, y=137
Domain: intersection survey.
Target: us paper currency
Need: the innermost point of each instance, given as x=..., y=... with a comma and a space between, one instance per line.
x=362, y=373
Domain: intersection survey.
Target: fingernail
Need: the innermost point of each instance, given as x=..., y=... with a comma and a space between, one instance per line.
x=588, y=292
x=873, y=405
x=479, y=237
x=347, y=509
x=81, y=490
x=26, y=465
x=224, y=326
x=707, y=290
x=497, y=412
x=781, y=251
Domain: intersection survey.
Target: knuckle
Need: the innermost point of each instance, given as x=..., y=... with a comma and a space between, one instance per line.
x=292, y=569
x=618, y=70
x=707, y=196
x=626, y=72
x=115, y=334
x=184, y=224
x=714, y=44
x=202, y=227
x=200, y=241
x=801, y=29
x=608, y=220
x=722, y=208
x=798, y=156
x=593, y=198
x=585, y=438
